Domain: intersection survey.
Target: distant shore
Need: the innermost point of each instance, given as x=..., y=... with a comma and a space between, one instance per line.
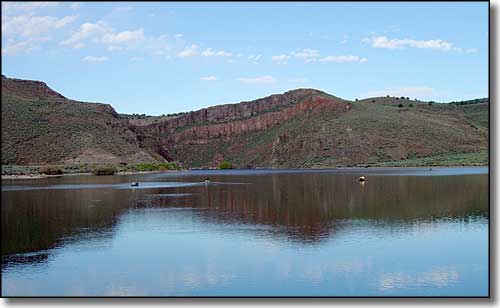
x=31, y=176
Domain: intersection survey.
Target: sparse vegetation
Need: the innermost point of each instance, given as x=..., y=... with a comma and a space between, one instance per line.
x=50, y=170
x=225, y=165
x=104, y=170
x=154, y=167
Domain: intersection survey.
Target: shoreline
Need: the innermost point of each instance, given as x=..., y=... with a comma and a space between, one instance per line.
x=32, y=176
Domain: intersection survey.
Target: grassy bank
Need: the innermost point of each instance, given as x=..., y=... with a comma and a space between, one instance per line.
x=87, y=168
x=458, y=159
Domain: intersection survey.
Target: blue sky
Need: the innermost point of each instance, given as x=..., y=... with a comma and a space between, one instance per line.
x=159, y=58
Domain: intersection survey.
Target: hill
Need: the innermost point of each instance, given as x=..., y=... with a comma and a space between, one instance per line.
x=307, y=128
x=303, y=128
x=40, y=126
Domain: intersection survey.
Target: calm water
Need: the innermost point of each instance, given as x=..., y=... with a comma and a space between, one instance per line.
x=406, y=232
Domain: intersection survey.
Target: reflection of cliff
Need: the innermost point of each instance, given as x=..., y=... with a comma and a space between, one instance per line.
x=300, y=207
x=310, y=207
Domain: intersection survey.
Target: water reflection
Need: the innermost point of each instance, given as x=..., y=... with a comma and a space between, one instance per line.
x=307, y=211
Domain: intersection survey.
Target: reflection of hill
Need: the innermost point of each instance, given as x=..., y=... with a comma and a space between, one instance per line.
x=301, y=207
x=39, y=219
x=309, y=207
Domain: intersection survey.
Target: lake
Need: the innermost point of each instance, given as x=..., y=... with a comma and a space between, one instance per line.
x=404, y=232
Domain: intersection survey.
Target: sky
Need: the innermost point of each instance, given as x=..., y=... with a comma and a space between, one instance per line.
x=159, y=58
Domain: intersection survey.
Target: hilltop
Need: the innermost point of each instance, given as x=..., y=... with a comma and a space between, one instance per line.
x=41, y=126
x=302, y=128
x=307, y=128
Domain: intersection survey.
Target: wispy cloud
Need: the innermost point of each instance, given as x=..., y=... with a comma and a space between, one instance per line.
x=123, y=9
x=419, y=92
x=254, y=58
x=209, y=78
x=306, y=53
x=12, y=7
x=343, y=59
x=75, y=5
x=257, y=80
x=281, y=59
x=99, y=32
x=190, y=51
x=94, y=59
x=30, y=25
x=87, y=31
x=387, y=43
x=214, y=53
x=13, y=47
x=123, y=37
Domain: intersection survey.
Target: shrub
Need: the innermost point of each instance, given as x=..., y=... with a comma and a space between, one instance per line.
x=400, y=106
x=411, y=105
x=225, y=165
x=50, y=170
x=104, y=171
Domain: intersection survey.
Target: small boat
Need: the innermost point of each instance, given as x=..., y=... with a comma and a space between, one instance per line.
x=134, y=184
x=361, y=179
x=207, y=181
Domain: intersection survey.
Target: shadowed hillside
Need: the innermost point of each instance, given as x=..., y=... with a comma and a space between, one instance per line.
x=41, y=126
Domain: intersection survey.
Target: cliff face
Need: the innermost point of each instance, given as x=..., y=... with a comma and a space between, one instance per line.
x=309, y=128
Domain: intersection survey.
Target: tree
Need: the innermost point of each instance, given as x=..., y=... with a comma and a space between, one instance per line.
x=400, y=106
x=225, y=165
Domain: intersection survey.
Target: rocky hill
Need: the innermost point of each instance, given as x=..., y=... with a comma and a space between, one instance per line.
x=310, y=128
x=41, y=126
x=302, y=128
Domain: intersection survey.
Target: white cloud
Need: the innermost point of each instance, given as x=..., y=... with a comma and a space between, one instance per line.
x=87, y=31
x=190, y=51
x=123, y=37
x=13, y=47
x=209, y=78
x=257, y=80
x=30, y=25
x=11, y=7
x=179, y=35
x=281, y=59
x=122, y=9
x=211, y=53
x=79, y=45
x=114, y=48
x=385, y=42
x=75, y=5
x=306, y=53
x=412, y=92
x=94, y=59
x=254, y=57
x=100, y=32
x=343, y=59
